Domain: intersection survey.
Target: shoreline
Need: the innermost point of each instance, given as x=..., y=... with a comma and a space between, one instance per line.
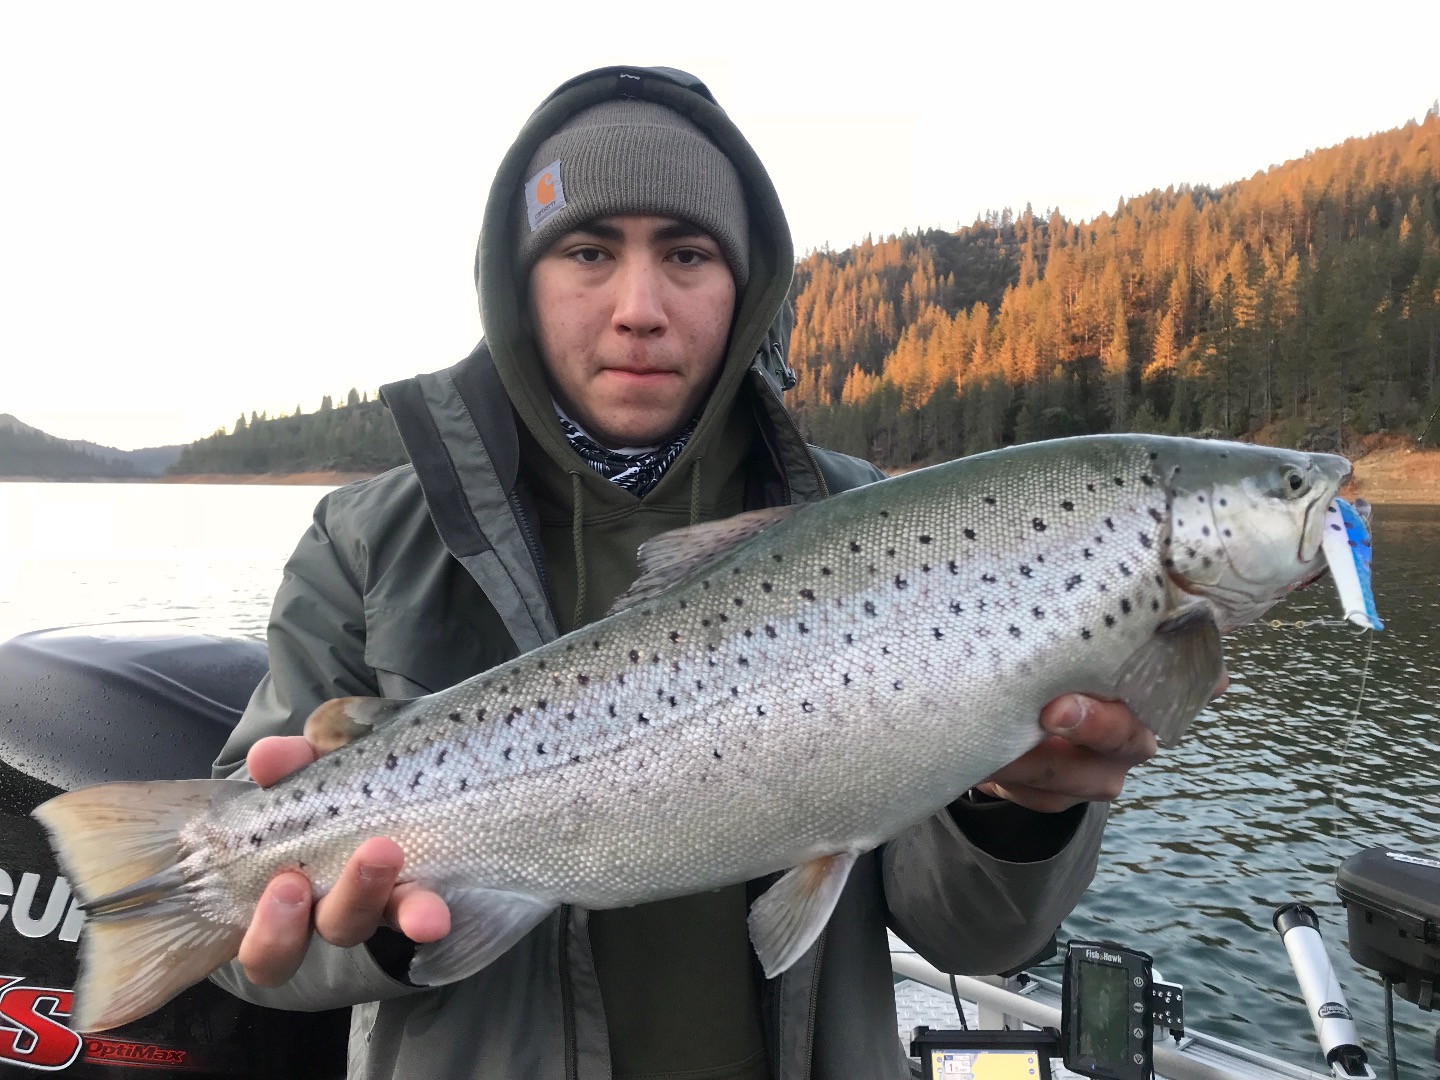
x=1387, y=475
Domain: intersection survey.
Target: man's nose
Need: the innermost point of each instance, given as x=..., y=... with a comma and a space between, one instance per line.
x=639, y=299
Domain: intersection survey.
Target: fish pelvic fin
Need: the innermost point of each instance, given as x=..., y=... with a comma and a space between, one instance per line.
x=789, y=917
x=1174, y=674
x=143, y=941
x=484, y=923
x=343, y=720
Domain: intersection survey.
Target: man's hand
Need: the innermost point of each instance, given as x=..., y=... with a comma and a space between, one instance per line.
x=1091, y=748
x=363, y=898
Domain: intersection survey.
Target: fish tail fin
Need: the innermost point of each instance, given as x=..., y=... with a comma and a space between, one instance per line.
x=143, y=941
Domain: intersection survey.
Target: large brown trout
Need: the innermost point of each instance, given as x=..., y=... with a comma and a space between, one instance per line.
x=779, y=691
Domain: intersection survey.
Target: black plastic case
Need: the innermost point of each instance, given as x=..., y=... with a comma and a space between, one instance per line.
x=1392, y=899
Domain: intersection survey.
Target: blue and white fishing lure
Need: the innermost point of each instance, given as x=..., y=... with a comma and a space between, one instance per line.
x=1347, y=551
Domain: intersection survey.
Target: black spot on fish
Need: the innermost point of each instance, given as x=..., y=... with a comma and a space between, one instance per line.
x=869, y=607
x=705, y=584
x=766, y=586
x=743, y=661
x=1156, y=515
x=805, y=706
x=759, y=710
x=1014, y=631
x=988, y=579
x=989, y=500
x=748, y=632
x=849, y=639
x=718, y=756
x=900, y=582
x=455, y=717
x=1039, y=613
x=1125, y=570
x=925, y=568
x=937, y=632
x=440, y=757
x=583, y=679
x=1125, y=607
x=898, y=685
x=1169, y=564
x=884, y=513
x=612, y=710
x=415, y=783
x=825, y=571
x=885, y=650
x=479, y=715
x=1154, y=456
x=334, y=811
x=739, y=601
x=1037, y=525
x=256, y=839
x=854, y=545
x=1067, y=505
x=807, y=594
x=1145, y=541
x=570, y=715
x=1072, y=581
x=924, y=539
x=1109, y=620
x=734, y=691
x=1090, y=488
x=1025, y=571
x=969, y=534
x=1154, y=605
x=1204, y=530
x=369, y=792
x=953, y=566
x=391, y=761
x=847, y=678
x=890, y=551
x=297, y=794
x=704, y=622
x=417, y=720
x=1110, y=524
x=1205, y=561
x=1085, y=634
x=802, y=628
x=1146, y=480
x=1088, y=553
x=642, y=718
x=1227, y=533
x=1180, y=522
x=674, y=635
x=1224, y=502
x=464, y=784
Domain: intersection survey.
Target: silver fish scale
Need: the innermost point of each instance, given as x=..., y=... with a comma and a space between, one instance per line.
x=819, y=688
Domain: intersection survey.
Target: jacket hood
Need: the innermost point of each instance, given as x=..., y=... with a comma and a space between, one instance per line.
x=759, y=336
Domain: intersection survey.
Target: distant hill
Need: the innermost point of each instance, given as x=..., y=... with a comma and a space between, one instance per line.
x=26, y=451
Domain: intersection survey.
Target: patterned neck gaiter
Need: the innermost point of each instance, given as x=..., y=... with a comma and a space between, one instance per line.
x=637, y=469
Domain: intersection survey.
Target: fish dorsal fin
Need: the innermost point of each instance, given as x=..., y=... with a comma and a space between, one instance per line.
x=1174, y=674
x=343, y=720
x=789, y=916
x=484, y=923
x=673, y=555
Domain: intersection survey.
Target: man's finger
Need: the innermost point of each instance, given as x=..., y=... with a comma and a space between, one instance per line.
x=276, y=756
x=352, y=910
x=279, y=933
x=1107, y=727
x=418, y=913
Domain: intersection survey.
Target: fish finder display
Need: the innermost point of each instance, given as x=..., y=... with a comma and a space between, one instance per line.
x=1104, y=1012
x=987, y=1065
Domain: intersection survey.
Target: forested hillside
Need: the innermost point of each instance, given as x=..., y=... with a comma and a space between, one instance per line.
x=1300, y=306
x=355, y=437
x=28, y=452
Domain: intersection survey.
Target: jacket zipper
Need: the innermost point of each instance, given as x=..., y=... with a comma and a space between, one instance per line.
x=814, y=999
x=794, y=430
x=567, y=998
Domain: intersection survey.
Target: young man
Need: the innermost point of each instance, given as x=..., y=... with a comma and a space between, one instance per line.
x=633, y=269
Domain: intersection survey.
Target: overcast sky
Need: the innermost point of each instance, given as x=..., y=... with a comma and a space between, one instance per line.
x=211, y=208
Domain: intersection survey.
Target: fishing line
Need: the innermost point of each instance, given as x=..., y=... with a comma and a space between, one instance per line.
x=1349, y=735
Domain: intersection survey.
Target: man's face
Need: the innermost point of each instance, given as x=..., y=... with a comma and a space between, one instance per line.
x=631, y=316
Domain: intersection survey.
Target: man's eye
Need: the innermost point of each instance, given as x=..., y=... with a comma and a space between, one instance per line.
x=587, y=255
x=690, y=256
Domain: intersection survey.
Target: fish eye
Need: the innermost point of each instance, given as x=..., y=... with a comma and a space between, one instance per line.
x=1295, y=480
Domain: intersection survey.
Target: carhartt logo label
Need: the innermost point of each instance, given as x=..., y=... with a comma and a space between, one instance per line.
x=544, y=195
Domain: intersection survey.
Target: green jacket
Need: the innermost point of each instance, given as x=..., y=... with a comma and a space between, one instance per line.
x=417, y=579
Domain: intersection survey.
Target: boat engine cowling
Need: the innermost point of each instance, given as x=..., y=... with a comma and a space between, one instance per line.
x=132, y=701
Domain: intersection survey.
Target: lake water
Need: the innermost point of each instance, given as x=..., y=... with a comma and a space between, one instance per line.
x=1287, y=775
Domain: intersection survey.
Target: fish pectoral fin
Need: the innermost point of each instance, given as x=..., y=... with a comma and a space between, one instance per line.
x=672, y=555
x=1174, y=674
x=484, y=923
x=787, y=919
x=343, y=720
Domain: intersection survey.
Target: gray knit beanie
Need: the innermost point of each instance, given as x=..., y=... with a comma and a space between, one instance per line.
x=631, y=157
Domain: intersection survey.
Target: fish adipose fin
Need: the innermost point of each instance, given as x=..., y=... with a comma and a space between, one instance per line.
x=1174, y=674
x=484, y=923
x=344, y=720
x=143, y=941
x=787, y=919
x=673, y=555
